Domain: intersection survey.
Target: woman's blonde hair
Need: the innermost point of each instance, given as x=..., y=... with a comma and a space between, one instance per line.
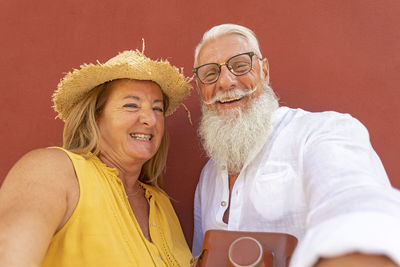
x=82, y=135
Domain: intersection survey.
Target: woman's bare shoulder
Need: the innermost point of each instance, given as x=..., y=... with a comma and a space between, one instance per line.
x=44, y=165
x=44, y=156
x=35, y=201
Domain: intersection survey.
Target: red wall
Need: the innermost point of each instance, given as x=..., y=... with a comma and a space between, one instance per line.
x=324, y=55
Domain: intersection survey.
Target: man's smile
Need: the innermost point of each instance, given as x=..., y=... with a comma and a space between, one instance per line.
x=228, y=100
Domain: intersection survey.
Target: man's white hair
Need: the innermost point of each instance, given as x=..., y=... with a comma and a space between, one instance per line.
x=225, y=29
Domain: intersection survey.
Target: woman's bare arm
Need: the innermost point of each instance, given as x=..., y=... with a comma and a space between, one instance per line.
x=36, y=199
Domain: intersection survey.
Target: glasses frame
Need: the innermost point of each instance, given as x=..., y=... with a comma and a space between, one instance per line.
x=229, y=67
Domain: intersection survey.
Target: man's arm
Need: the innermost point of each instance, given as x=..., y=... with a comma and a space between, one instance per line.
x=357, y=260
x=352, y=207
x=33, y=205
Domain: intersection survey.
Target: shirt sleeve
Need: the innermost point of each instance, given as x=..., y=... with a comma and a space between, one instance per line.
x=352, y=206
x=198, y=233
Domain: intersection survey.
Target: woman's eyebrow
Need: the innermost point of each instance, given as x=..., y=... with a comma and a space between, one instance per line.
x=138, y=98
x=132, y=96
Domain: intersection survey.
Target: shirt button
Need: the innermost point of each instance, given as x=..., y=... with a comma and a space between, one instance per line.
x=223, y=203
x=154, y=224
x=160, y=257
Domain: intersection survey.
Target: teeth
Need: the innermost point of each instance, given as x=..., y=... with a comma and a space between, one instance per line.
x=226, y=100
x=145, y=137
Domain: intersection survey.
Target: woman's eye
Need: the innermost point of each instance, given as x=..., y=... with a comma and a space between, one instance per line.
x=130, y=105
x=158, y=109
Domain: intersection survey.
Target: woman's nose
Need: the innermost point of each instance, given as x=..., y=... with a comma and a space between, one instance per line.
x=148, y=117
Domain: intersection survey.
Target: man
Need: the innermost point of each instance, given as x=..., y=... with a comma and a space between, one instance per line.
x=276, y=169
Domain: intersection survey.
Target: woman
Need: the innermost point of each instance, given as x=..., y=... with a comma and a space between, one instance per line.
x=97, y=201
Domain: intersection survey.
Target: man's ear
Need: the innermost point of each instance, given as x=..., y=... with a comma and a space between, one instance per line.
x=265, y=70
x=196, y=81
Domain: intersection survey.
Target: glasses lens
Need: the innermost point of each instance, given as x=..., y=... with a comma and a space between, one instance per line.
x=208, y=73
x=240, y=64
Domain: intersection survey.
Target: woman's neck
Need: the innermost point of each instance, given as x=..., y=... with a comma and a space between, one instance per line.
x=129, y=171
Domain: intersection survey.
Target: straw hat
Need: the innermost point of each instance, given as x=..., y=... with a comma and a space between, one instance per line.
x=128, y=64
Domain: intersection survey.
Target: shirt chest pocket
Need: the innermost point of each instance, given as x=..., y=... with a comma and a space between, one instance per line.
x=277, y=191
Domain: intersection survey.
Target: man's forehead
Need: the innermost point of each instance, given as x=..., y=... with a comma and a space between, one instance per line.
x=223, y=47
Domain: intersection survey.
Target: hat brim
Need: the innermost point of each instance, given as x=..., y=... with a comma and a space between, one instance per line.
x=76, y=84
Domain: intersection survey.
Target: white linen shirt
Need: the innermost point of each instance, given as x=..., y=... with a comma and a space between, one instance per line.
x=316, y=177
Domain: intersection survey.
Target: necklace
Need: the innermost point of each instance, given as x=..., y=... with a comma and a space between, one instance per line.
x=139, y=188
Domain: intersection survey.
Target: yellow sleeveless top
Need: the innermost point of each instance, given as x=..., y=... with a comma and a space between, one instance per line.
x=103, y=230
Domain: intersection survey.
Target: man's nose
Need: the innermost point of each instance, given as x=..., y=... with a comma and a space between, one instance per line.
x=227, y=79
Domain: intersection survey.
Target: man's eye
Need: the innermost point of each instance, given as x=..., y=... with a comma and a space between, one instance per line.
x=241, y=66
x=211, y=74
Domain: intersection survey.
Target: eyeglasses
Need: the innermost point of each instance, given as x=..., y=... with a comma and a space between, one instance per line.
x=237, y=65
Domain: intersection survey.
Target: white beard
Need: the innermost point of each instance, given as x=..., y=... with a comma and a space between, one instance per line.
x=230, y=137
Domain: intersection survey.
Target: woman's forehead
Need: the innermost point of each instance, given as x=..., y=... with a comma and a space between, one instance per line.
x=135, y=89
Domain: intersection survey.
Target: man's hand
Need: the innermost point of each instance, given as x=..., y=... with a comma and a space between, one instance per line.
x=357, y=260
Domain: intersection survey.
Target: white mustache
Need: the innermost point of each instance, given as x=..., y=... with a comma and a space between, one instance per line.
x=235, y=93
